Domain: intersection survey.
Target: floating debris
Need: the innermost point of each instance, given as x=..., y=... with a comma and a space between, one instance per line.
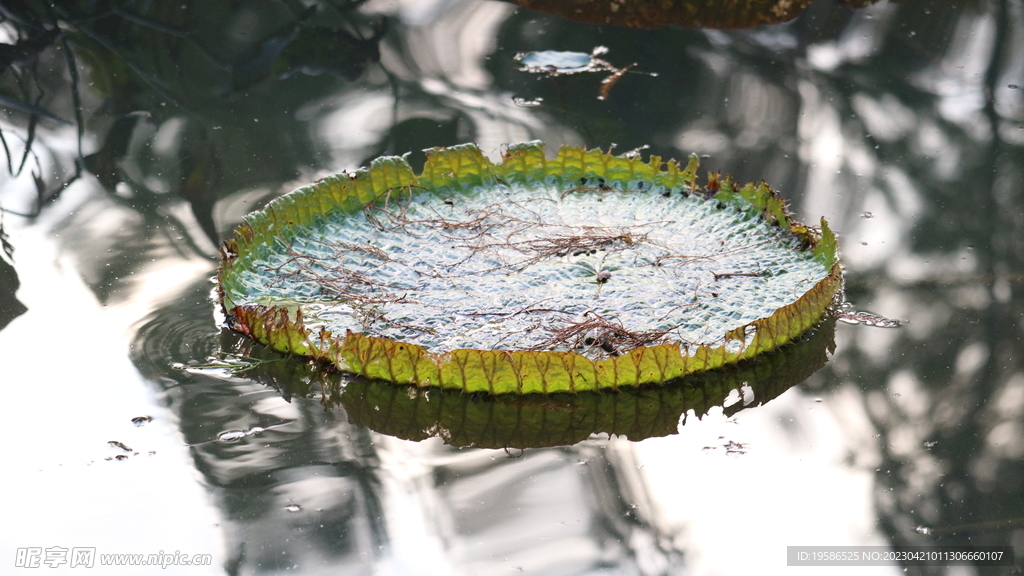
x=233, y=364
x=558, y=63
x=116, y=444
x=232, y=435
x=523, y=102
x=236, y=435
x=142, y=420
x=609, y=82
x=731, y=447
x=867, y=319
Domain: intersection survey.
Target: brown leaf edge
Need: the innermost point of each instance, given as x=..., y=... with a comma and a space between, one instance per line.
x=720, y=14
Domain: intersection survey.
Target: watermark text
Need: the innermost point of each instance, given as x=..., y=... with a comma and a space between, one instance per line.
x=85, y=557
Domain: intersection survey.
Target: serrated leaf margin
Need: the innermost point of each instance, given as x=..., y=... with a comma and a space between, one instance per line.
x=457, y=170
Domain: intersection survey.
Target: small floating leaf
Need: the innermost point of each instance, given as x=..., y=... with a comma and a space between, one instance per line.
x=556, y=63
x=583, y=272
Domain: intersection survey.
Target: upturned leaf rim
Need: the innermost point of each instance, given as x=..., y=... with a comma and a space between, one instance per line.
x=458, y=170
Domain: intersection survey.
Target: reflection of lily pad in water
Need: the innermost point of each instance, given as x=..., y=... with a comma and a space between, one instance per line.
x=583, y=272
x=535, y=421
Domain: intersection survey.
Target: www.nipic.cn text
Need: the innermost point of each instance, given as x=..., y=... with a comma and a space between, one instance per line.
x=83, y=557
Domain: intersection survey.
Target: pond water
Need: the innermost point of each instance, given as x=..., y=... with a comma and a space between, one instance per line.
x=901, y=123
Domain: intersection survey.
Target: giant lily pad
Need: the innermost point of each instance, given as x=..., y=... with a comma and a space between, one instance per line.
x=583, y=272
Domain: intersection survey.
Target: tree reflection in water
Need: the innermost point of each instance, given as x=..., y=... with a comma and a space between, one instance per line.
x=932, y=132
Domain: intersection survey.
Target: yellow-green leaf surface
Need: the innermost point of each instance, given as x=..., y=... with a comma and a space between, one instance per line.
x=587, y=271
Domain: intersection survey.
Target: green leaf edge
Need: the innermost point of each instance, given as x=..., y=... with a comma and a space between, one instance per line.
x=534, y=420
x=458, y=170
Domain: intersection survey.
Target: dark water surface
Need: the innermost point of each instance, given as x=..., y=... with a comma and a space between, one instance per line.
x=902, y=124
